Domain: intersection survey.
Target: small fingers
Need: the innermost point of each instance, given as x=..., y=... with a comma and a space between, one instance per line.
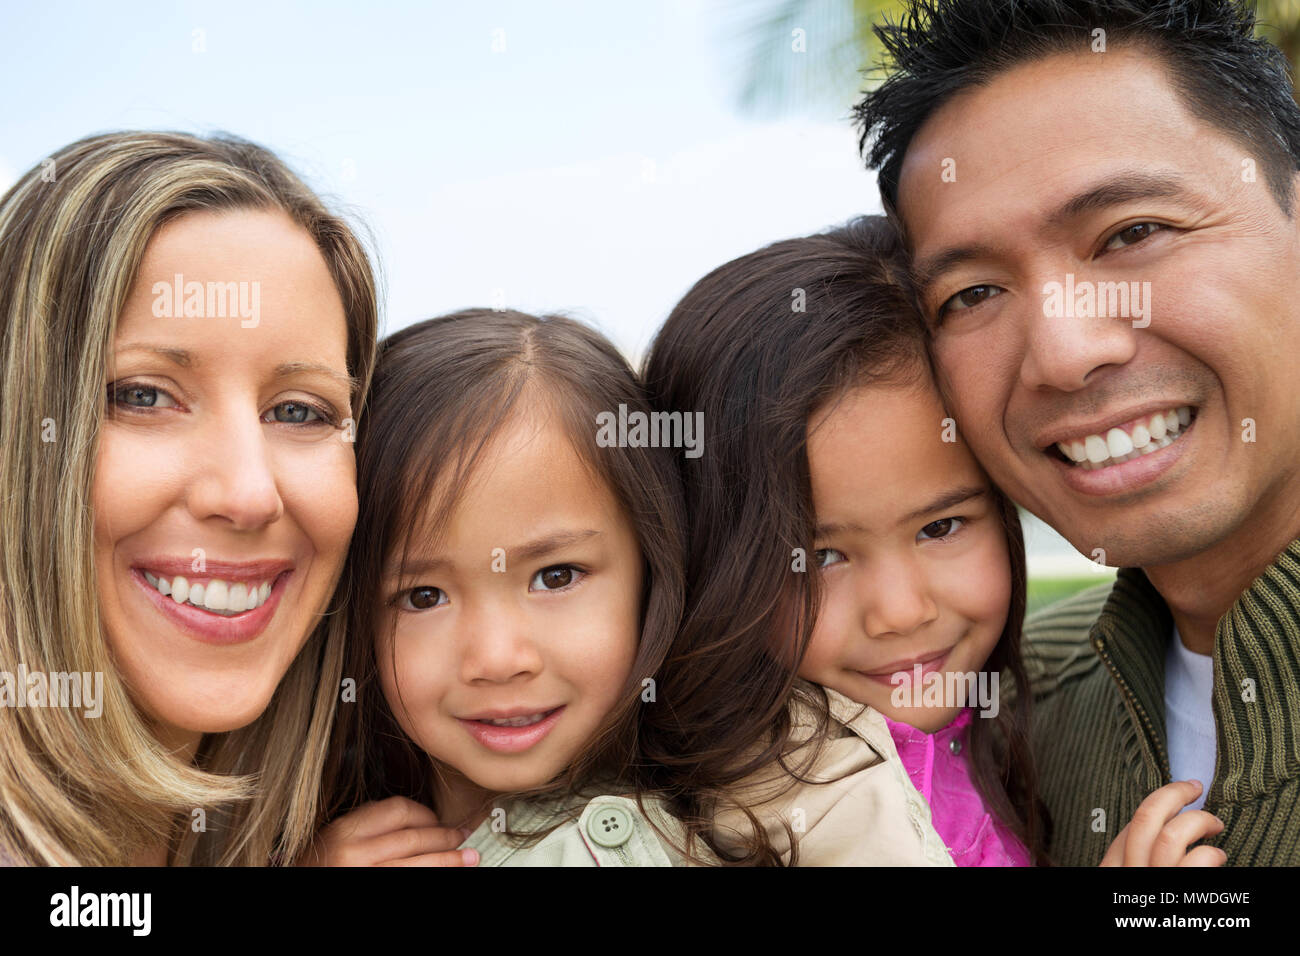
x=446, y=858
x=384, y=816
x=414, y=841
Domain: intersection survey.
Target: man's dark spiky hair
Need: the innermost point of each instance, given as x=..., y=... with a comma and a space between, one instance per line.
x=1225, y=75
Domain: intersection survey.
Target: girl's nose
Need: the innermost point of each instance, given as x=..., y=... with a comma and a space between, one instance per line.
x=896, y=599
x=499, y=645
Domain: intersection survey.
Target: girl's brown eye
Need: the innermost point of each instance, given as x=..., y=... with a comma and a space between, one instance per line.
x=943, y=528
x=421, y=599
x=556, y=577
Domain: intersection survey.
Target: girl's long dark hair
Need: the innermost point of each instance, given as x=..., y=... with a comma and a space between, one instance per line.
x=758, y=345
x=441, y=390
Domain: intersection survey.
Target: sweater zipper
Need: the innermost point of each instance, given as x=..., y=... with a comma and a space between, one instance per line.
x=1142, y=714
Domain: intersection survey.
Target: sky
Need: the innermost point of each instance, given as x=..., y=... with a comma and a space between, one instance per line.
x=586, y=158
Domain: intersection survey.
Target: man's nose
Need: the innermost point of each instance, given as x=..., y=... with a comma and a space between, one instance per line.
x=1070, y=333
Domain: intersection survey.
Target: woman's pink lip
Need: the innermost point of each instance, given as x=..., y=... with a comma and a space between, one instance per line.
x=510, y=740
x=929, y=666
x=213, y=628
x=231, y=571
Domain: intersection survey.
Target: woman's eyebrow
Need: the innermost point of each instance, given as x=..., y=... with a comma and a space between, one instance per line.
x=178, y=356
x=285, y=369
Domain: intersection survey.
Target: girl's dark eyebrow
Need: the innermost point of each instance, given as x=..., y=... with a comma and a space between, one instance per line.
x=552, y=542
x=524, y=552
x=949, y=499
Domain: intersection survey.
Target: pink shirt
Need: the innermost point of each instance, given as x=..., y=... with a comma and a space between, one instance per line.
x=936, y=764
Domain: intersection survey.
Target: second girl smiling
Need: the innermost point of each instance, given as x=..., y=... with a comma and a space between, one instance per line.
x=516, y=586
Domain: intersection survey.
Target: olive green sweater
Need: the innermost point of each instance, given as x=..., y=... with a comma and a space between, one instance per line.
x=1096, y=664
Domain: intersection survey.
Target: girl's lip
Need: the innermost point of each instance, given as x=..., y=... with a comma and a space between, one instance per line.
x=511, y=740
x=928, y=666
x=213, y=628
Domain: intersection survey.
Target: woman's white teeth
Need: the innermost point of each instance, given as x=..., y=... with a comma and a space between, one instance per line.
x=217, y=595
x=1117, y=445
x=517, y=721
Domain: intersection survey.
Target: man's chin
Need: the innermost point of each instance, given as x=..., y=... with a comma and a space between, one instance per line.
x=1147, y=540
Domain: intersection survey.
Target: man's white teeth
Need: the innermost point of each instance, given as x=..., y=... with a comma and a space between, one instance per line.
x=1147, y=435
x=517, y=721
x=217, y=596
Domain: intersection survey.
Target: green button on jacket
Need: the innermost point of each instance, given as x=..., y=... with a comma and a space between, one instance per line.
x=610, y=831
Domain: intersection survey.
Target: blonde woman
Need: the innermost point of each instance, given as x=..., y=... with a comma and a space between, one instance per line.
x=187, y=337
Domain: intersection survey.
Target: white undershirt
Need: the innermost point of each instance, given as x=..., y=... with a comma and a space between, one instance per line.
x=1189, y=715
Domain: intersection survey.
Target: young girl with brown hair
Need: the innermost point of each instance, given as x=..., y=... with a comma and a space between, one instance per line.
x=516, y=582
x=842, y=543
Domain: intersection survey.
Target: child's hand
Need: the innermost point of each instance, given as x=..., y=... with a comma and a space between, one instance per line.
x=1158, y=834
x=392, y=832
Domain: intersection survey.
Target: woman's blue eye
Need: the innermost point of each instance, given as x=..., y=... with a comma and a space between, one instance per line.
x=555, y=578
x=296, y=413
x=421, y=599
x=141, y=396
x=825, y=557
x=943, y=528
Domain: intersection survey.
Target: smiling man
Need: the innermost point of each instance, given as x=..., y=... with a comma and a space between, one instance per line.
x=1100, y=198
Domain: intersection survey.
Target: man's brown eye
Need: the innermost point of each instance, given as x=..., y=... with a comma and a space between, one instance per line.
x=1131, y=235
x=967, y=299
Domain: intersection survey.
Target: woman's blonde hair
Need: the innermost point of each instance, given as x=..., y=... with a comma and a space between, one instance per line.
x=83, y=791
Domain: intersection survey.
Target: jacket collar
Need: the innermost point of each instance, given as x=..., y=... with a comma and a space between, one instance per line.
x=1256, y=678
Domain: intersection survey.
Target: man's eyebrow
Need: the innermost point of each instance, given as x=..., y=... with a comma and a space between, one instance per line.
x=524, y=552
x=1119, y=188
x=928, y=270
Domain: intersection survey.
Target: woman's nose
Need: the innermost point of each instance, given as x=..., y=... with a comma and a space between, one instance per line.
x=232, y=475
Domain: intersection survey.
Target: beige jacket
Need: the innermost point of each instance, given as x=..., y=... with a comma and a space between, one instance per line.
x=610, y=831
x=868, y=814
